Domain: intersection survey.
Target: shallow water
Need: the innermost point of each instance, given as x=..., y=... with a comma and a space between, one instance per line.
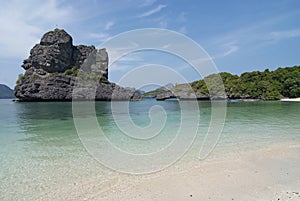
x=40, y=150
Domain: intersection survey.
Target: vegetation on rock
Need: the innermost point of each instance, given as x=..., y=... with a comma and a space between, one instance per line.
x=155, y=92
x=266, y=85
x=20, y=77
x=73, y=71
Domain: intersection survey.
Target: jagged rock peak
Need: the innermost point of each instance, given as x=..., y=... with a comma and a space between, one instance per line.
x=52, y=67
x=57, y=36
x=56, y=53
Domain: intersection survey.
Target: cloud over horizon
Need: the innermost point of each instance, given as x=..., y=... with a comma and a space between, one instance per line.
x=153, y=11
x=21, y=26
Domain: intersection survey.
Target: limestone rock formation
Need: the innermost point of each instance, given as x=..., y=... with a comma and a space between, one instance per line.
x=53, y=66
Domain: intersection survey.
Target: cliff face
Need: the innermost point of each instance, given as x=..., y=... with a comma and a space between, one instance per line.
x=53, y=65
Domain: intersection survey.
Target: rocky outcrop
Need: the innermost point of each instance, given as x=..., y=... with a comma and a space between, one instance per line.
x=181, y=92
x=54, y=65
x=164, y=96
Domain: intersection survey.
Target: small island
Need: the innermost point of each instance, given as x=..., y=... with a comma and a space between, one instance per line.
x=53, y=66
x=256, y=85
x=6, y=92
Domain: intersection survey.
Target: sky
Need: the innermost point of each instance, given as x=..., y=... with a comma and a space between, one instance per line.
x=239, y=36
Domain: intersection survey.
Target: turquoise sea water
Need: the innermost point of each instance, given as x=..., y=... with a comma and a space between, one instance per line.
x=41, y=153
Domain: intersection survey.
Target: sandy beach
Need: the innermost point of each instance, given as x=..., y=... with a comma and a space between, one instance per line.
x=291, y=99
x=267, y=174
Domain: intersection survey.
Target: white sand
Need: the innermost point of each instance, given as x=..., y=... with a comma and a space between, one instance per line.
x=291, y=99
x=272, y=173
x=269, y=174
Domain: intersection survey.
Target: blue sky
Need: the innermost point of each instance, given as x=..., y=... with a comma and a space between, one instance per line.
x=239, y=35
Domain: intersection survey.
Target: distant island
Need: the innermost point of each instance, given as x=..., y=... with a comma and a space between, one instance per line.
x=53, y=66
x=266, y=85
x=6, y=92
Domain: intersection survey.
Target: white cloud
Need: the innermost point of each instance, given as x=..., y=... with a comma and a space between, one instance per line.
x=131, y=57
x=121, y=60
x=22, y=24
x=124, y=62
x=135, y=56
x=280, y=35
x=253, y=36
x=99, y=37
x=166, y=46
x=150, y=74
x=118, y=51
x=230, y=48
x=148, y=3
x=119, y=67
x=108, y=25
x=153, y=11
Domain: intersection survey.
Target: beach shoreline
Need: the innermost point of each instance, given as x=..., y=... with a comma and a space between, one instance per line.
x=270, y=173
x=291, y=99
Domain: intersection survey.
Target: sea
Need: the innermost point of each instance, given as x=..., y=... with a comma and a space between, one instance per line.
x=51, y=148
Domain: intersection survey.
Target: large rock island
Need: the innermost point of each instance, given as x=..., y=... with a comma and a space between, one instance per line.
x=54, y=65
